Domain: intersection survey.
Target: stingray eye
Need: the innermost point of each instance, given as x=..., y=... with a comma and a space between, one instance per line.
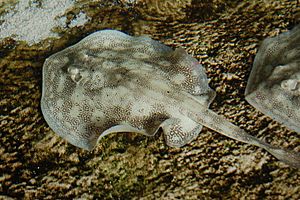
x=290, y=84
x=74, y=73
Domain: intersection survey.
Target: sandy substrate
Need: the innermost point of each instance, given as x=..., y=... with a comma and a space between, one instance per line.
x=224, y=36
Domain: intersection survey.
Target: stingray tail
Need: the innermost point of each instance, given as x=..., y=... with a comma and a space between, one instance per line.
x=218, y=123
x=289, y=157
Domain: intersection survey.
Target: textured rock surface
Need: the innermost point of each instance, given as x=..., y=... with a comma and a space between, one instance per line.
x=34, y=21
x=35, y=163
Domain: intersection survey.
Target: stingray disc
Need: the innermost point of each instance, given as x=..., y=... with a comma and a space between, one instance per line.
x=274, y=83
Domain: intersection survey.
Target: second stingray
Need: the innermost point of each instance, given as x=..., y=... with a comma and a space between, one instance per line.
x=274, y=83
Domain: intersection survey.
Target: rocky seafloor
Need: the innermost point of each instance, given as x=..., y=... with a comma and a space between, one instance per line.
x=223, y=35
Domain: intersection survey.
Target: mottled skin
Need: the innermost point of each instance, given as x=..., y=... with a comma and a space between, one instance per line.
x=274, y=83
x=111, y=82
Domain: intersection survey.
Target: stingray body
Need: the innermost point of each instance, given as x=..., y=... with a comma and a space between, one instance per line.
x=274, y=83
x=112, y=82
